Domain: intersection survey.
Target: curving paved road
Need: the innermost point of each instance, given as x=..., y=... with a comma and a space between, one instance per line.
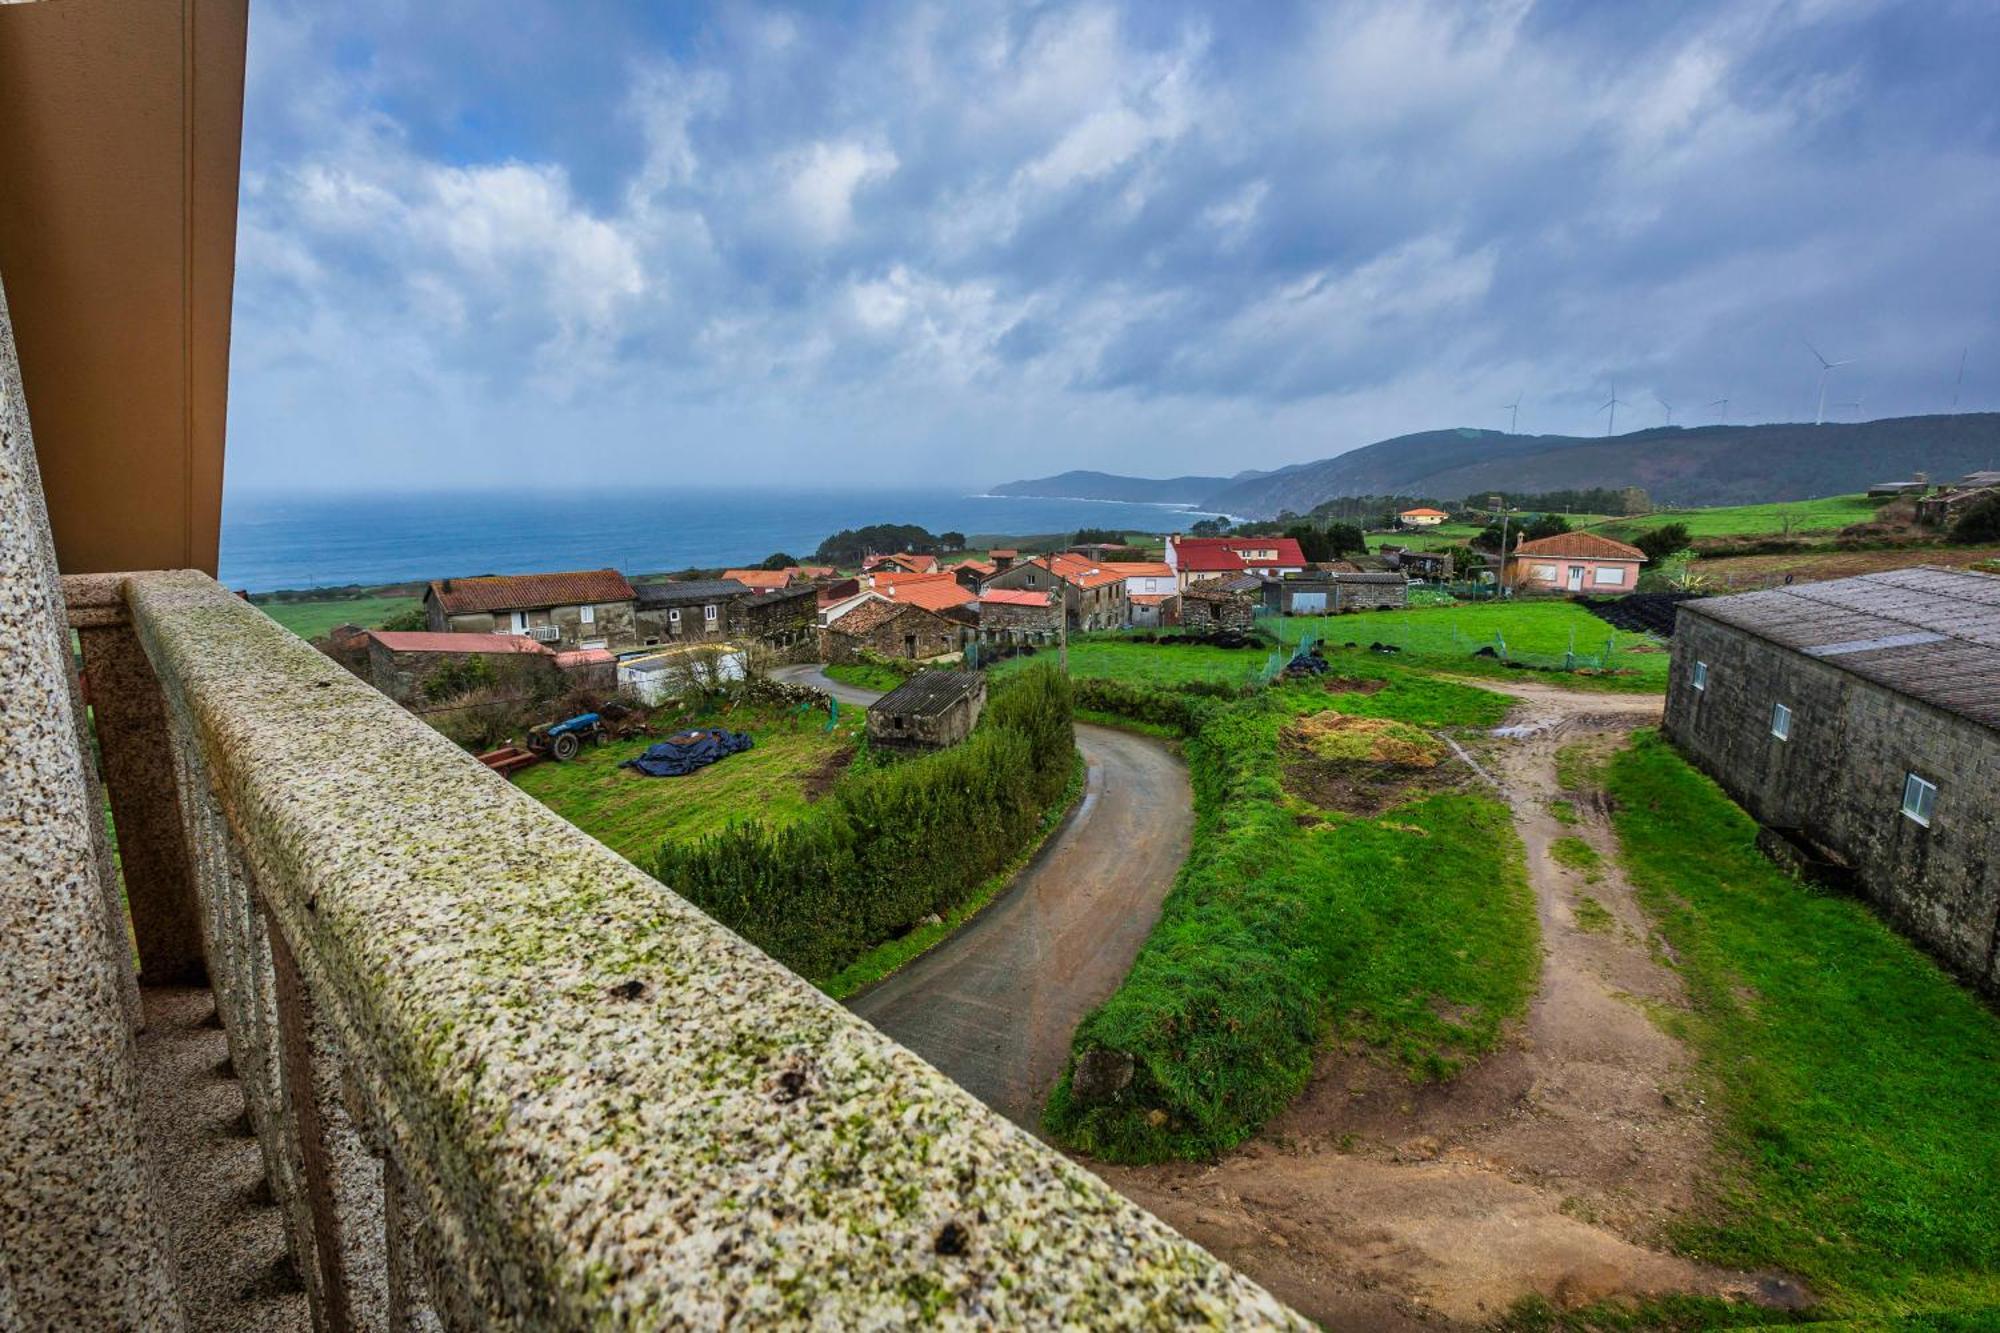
x=994, y=1006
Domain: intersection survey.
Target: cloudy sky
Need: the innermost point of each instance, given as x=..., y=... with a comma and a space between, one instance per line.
x=961, y=242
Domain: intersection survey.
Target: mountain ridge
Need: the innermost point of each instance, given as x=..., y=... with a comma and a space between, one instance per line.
x=1675, y=465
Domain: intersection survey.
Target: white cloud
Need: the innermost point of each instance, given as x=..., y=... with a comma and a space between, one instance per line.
x=824, y=178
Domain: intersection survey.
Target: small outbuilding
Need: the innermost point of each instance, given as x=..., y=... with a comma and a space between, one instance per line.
x=929, y=711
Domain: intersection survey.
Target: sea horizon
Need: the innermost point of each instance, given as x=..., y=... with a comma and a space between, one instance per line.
x=277, y=540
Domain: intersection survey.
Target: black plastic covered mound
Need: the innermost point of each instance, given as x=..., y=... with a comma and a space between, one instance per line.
x=1641, y=612
x=684, y=752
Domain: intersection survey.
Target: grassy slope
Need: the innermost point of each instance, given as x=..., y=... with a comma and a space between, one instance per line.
x=1447, y=636
x=1829, y=514
x=1856, y=1081
x=633, y=814
x=1278, y=934
x=866, y=675
x=309, y=620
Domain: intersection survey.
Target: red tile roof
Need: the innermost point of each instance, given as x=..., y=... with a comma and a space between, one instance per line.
x=933, y=592
x=762, y=580
x=1580, y=546
x=1423, y=513
x=1209, y=555
x=527, y=592
x=915, y=564
x=1141, y=569
x=576, y=657
x=1152, y=598
x=423, y=641
x=1015, y=597
x=1078, y=570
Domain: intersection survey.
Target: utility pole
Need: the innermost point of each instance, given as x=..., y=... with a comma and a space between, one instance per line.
x=1500, y=503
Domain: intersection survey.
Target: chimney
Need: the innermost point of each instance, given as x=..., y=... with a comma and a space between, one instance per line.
x=1001, y=562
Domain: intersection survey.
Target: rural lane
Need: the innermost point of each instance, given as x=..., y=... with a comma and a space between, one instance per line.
x=995, y=1005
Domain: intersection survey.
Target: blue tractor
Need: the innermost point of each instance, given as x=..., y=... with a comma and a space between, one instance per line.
x=562, y=740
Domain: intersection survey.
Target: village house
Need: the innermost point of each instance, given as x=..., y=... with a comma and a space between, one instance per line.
x=1421, y=517
x=1018, y=615
x=405, y=665
x=1942, y=509
x=1316, y=594
x=1859, y=719
x=889, y=629
x=1003, y=557
x=1208, y=608
x=1093, y=595
x=684, y=610
x=1579, y=562
x=903, y=562
x=780, y=619
x=972, y=573
x=763, y=580
x=1152, y=593
x=929, y=711
x=1195, y=559
x=591, y=608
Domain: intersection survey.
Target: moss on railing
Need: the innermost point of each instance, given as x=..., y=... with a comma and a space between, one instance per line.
x=607, y=1109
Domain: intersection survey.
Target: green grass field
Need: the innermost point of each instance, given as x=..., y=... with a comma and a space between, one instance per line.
x=1853, y=1081
x=1446, y=638
x=1290, y=925
x=1829, y=514
x=633, y=814
x=866, y=675
x=1426, y=539
x=309, y=620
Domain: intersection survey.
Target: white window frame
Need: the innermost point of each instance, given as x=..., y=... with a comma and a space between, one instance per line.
x=1781, y=721
x=708, y=614
x=673, y=615
x=587, y=614
x=1701, y=676
x=518, y=623
x=1612, y=576
x=1919, y=798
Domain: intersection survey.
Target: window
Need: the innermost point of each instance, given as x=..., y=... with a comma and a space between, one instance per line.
x=708, y=614
x=1611, y=574
x=588, y=615
x=1701, y=675
x=1919, y=798
x=1781, y=722
x=673, y=615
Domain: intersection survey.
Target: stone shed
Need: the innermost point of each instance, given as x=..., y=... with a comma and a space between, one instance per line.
x=1209, y=609
x=1859, y=721
x=929, y=711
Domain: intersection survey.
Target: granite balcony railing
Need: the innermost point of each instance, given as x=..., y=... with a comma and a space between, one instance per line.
x=500, y=1078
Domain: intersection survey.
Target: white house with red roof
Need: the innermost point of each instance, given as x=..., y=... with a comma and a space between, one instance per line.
x=1197, y=559
x=1421, y=517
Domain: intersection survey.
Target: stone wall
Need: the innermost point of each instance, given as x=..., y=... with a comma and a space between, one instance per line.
x=1369, y=594
x=403, y=676
x=1838, y=780
x=781, y=618
x=1008, y=623
x=1205, y=612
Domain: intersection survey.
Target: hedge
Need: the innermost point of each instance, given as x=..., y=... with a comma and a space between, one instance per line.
x=888, y=846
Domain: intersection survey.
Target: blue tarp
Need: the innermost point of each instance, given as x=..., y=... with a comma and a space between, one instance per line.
x=684, y=752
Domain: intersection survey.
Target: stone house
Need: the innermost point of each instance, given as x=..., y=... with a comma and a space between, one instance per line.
x=405, y=665
x=1017, y=615
x=929, y=711
x=1152, y=610
x=1207, y=609
x=592, y=608
x=1370, y=590
x=689, y=610
x=1093, y=594
x=889, y=629
x=780, y=619
x=1859, y=721
x=1576, y=562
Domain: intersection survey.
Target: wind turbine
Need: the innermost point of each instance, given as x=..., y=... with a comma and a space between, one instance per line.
x=1826, y=367
x=1959, y=383
x=1611, y=406
x=1669, y=406
x=1722, y=416
x=1513, y=411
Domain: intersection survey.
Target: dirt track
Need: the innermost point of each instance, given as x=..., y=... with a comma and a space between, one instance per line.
x=995, y=1005
x=1550, y=1168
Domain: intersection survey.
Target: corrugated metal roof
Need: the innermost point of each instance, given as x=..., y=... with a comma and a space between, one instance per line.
x=1930, y=633
x=682, y=592
x=929, y=692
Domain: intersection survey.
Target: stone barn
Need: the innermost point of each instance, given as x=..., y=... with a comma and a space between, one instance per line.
x=889, y=629
x=1208, y=609
x=1370, y=591
x=1858, y=720
x=929, y=711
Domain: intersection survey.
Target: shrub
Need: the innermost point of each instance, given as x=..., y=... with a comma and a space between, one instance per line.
x=1979, y=523
x=889, y=846
x=1181, y=710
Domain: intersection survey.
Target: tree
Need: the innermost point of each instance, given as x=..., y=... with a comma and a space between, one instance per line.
x=1465, y=562
x=1979, y=523
x=951, y=541
x=408, y=621
x=1636, y=501
x=1210, y=527
x=1346, y=539
x=1488, y=538
x=1312, y=542
x=1663, y=541
x=1545, y=525
x=779, y=560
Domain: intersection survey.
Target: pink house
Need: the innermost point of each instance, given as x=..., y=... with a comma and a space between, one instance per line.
x=1579, y=562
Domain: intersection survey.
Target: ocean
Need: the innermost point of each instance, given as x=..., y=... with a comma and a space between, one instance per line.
x=272, y=541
